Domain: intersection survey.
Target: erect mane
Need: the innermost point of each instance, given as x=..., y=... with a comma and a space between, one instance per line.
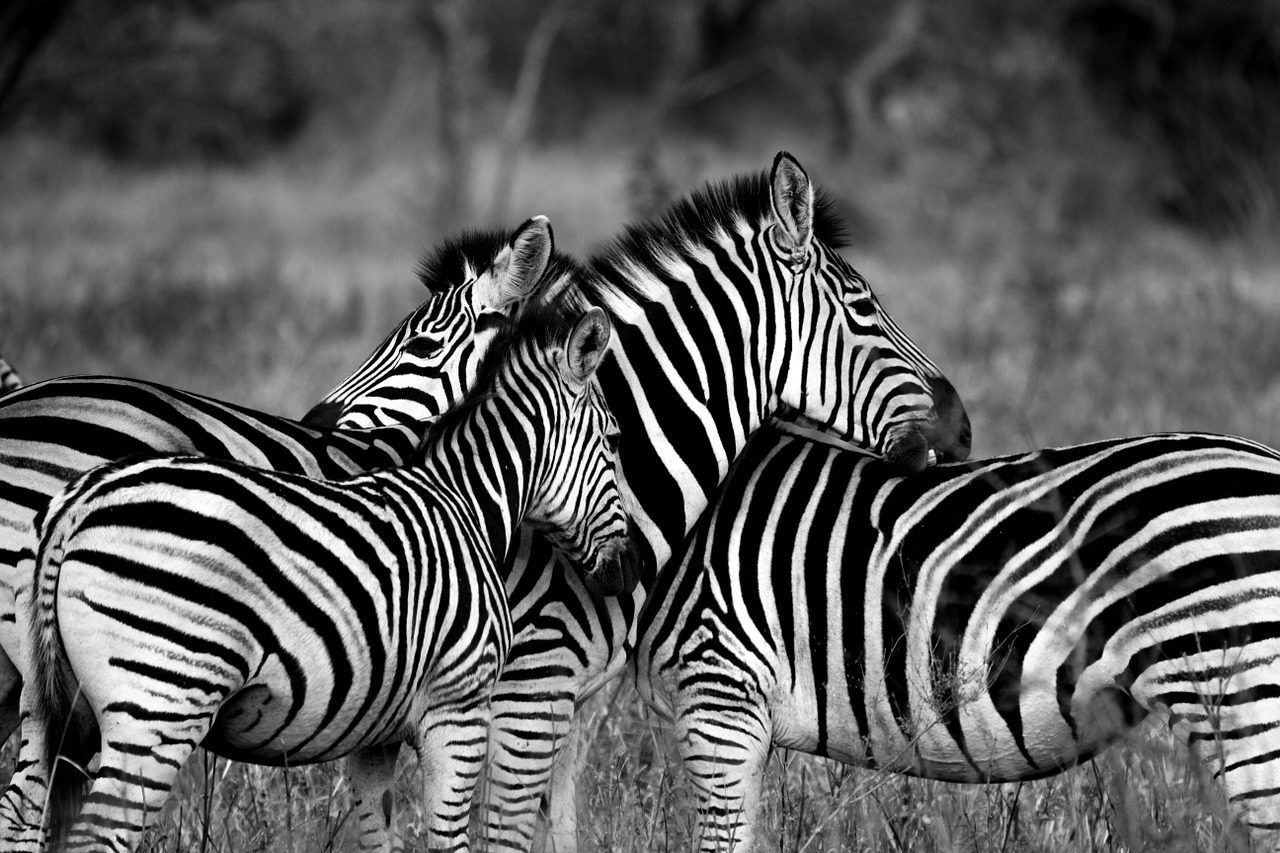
x=563, y=297
x=698, y=218
x=461, y=257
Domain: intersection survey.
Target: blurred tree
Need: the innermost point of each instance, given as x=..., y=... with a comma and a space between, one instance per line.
x=515, y=128
x=24, y=27
x=1200, y=84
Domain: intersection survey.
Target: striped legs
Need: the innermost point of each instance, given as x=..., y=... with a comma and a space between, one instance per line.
x=22, y=804
x=451, y=750
x=724, y=749
x=1226, y=707
x=528, y=731
x=139, y=765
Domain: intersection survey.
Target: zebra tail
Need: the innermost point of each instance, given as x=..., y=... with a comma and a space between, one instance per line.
x=70, y=739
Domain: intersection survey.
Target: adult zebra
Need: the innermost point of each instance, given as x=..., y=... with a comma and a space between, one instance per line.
x=751, y=310
x=289, y=620
x=9, y=378
x=990, y=621
x=54, y=430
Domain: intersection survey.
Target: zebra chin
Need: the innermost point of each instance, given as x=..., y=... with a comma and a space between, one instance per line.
x=615, y=571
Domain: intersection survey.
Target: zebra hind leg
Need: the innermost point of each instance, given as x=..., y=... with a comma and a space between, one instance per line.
x=1226, y=708
x=22, y=804
x=136, y=772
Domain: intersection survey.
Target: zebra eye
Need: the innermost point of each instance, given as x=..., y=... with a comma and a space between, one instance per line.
x=422, y=346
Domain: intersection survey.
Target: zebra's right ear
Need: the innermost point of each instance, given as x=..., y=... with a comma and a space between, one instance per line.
x=517, y=270
x=792, y=195
x=587, y=343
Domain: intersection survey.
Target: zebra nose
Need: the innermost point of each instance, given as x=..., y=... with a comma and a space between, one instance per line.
x=323, y=414
x=606, y=578
x=907, y=452
x=616, y=572
x=950, y=435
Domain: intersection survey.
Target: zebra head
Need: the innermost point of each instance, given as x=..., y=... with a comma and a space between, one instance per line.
x=430, y=358
x=547, y=423
x=850, y=368
x=578, y=506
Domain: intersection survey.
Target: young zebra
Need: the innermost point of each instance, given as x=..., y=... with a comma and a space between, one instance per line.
x=54, y=430
x=9, y=378
x=991, y=621
x=286, y=620
x=752, y=311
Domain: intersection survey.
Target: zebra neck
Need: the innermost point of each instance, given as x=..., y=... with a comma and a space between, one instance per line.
x=687, y=386
x=490, y=460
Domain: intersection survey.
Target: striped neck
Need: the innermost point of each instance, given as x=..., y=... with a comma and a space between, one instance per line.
x=491, y=457
x=690, y=380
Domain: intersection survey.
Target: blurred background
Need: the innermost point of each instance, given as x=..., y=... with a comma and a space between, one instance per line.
x=1072, y=205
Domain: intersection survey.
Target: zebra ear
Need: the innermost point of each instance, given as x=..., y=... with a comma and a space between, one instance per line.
x=517, y=270
x=792, y=203
x=587, y=343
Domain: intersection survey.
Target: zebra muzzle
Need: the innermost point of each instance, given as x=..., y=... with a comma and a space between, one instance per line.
x=615, y=573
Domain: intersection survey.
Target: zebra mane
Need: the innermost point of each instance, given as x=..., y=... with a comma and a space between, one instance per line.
x=458, y=258
x=702, y=216
x=447, y=266
x=563, y=296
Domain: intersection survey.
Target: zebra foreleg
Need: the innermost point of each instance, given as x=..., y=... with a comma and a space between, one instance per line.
x=524, y=742
x=451, y=749
x=562, y=813
x=371, y=771
x=724, y=750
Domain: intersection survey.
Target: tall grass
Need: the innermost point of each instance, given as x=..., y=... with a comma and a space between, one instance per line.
x=265, y=286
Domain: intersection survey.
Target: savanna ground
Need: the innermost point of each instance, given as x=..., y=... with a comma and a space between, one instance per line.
x=1061, y=309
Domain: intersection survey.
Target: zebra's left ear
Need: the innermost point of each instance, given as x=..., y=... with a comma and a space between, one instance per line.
x=792, y=194
x=587, y=343
x=517, y=270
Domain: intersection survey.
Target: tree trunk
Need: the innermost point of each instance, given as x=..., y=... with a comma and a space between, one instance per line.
x=515, y=129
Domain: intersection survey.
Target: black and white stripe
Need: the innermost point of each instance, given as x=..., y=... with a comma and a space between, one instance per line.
x=995, y=620
x=288, y=620
x=752, y=311
x=54, y=430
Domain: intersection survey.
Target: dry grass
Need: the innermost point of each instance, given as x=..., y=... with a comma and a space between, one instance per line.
x=264, y=286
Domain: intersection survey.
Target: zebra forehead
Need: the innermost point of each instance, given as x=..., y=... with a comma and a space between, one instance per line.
x=461, y=258
x=716, y=208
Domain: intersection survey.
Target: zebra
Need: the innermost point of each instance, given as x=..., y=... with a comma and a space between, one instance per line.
x=54, y=430
x=752, y=311
x=288, y=620
x=9, y=378
x=991, y=621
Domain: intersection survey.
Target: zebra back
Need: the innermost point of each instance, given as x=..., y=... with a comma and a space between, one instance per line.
x=996, y=620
